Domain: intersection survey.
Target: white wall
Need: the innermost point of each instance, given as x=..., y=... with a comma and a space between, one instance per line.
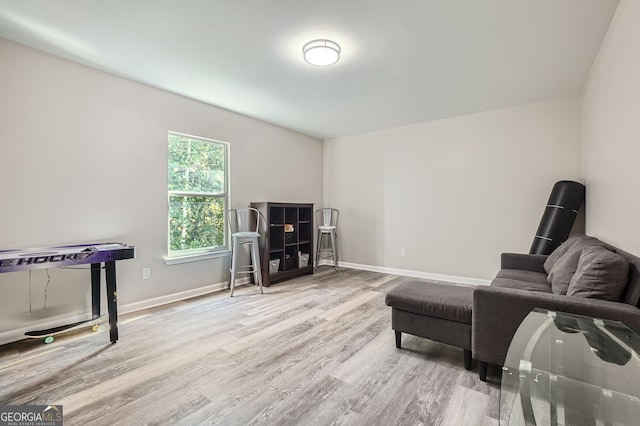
x=84, y=159
x=454, y=193
x=611, y=133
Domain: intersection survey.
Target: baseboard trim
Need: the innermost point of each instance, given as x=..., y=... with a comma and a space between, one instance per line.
x=409, y=273
x=18, y=334
x=176, y=297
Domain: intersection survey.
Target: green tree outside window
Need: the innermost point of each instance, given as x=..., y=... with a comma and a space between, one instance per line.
x=198, y=194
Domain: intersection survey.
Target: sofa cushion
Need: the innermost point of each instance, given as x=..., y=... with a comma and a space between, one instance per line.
x=601, y=274
x=564, y=268
x=560, y=250
x=521, y=285
x=522, y=275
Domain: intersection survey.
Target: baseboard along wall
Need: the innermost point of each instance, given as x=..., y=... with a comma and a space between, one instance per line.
x=408, y=273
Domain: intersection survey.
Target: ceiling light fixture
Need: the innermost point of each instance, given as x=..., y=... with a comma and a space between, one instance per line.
x=321, y=52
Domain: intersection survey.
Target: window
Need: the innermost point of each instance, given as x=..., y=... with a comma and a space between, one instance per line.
x=198, y=195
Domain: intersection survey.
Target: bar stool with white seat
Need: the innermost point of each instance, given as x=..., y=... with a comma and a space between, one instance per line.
x=327, y=220
x=244, y=224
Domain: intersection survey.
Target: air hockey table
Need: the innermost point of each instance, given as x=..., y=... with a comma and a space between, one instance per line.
x=97, y=255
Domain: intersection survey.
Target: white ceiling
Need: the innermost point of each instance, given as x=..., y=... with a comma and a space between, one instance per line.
x=403, y=61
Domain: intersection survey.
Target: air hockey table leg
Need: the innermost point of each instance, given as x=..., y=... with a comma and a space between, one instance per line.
x=112, y=300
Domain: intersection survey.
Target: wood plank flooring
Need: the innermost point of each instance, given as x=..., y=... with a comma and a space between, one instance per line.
x=316, y=350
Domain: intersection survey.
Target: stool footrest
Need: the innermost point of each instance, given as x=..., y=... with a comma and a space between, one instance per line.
x=439, y=312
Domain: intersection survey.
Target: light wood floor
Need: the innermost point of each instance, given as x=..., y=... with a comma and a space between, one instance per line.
x=317, y=350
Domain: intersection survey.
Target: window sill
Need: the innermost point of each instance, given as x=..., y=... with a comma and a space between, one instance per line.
x=195, y=257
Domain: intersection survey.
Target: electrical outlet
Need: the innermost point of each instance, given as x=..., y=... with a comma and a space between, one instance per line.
x=403, y=252
x=146, y=273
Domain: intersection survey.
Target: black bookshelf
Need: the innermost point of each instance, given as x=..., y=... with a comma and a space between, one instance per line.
x=288, y=233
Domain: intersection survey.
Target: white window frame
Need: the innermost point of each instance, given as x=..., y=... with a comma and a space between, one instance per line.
x=175, y=257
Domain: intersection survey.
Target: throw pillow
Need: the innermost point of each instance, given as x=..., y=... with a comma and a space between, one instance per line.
x=601, y=274
x=563, y=269
x=560, y=250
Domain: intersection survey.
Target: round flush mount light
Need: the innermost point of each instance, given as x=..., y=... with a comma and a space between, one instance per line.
x=321, y=52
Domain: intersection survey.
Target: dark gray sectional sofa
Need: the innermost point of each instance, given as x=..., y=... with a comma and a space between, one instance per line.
x=583, y=276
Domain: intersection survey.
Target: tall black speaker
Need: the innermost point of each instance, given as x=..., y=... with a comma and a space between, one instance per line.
x=559, y=215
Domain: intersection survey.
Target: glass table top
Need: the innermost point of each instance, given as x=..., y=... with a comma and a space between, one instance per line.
x=566, y=369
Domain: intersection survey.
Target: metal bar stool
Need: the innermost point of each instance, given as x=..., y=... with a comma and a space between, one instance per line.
x=327, y=220
x=245, y=231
